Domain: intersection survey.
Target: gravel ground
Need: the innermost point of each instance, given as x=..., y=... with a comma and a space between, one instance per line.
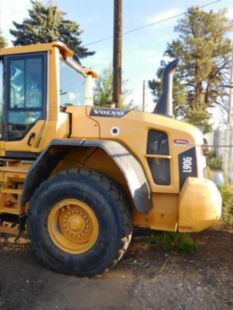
x=146, y=278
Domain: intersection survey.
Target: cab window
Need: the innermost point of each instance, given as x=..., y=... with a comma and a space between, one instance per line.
x=26, y=93
x=158, y=157
x=72, y=86
x=1, y=98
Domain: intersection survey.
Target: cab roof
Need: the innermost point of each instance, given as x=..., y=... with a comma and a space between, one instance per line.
x=45, y=47
x=41, y=47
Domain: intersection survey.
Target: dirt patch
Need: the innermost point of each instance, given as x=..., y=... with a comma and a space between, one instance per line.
x=146, y=278
x=201, y=281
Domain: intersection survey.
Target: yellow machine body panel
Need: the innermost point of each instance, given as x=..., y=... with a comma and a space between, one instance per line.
x=169, y=211
x=132, y=132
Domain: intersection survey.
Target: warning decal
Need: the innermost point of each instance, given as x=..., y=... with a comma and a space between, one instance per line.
x=184, y=142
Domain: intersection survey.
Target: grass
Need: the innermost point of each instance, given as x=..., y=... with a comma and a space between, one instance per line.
x=227, y=200
x=174, y=242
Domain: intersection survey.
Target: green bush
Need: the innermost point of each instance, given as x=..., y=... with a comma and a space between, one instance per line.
x=181, y=243
x=214, y=162
x=227, y=205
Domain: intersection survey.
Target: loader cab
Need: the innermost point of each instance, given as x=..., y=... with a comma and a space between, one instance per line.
x=37, y=82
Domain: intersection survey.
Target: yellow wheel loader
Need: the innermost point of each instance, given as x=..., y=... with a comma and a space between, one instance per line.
x=79, y=177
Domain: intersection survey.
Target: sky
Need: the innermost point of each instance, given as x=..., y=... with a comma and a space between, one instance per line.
x=142, y=50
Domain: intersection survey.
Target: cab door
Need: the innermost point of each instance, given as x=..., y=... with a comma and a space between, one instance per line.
x=25, y=102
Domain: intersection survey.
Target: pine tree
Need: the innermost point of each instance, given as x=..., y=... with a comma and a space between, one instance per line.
x=48, y=24
x=204, y=51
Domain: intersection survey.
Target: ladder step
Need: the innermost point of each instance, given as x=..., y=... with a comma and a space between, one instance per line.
x=11, y=191
x=9, y=230
x=13, y=169
x=10, y=210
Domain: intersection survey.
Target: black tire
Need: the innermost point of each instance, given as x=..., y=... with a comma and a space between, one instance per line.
x=110, y=206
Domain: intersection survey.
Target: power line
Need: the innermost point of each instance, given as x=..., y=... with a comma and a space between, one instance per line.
x=150, y=24
x=216, y=145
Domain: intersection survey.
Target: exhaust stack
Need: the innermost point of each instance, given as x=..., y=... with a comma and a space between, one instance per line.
x=165, y=104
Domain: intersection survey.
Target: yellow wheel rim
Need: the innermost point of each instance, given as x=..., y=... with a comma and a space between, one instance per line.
x=73, y=226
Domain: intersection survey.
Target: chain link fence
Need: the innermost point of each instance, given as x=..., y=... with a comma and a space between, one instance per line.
x=221, y=141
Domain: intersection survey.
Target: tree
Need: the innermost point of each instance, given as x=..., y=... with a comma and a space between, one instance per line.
x=104, y=88
x=47, y=24
x=3, y=42
x=103, y=91
x=204, y=51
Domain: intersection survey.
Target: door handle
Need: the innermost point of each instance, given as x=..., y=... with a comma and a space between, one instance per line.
x=32, y=135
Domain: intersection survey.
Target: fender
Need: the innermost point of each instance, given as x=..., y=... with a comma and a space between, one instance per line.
x=127, y=163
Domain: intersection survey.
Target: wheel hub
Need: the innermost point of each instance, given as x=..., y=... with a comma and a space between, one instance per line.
x=76, y=223
x=73, y=226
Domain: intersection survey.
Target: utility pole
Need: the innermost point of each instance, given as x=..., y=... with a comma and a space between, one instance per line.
x=117, y=53
x=229, y=119
x=143, y=95
x=1, y=16
x=229, y=123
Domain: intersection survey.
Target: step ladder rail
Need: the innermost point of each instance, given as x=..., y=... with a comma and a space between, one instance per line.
x=12, y=180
